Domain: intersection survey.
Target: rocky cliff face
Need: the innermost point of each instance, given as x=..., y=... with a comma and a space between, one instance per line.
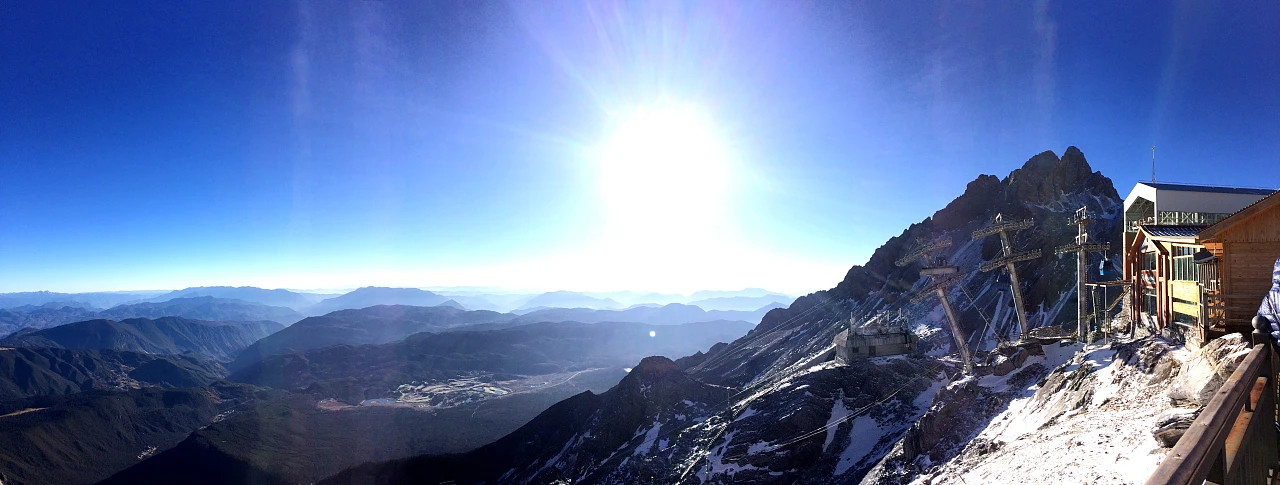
x=771, y=408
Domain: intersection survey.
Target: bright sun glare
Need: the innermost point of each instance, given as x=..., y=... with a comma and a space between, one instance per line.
x=664, y=165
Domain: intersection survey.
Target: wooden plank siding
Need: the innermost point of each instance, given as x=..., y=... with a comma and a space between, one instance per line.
x=1247, y=245
x=1261, y=227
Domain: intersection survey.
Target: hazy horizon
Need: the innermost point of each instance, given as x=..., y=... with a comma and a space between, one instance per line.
x=492, y=290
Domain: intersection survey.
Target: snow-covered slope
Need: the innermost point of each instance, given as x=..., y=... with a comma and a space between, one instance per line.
x=1106, y=414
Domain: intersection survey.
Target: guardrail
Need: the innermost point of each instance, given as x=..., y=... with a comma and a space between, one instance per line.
x=1234, y=440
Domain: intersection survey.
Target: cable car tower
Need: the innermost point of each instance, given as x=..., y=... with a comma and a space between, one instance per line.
x=942, y=275
x=1008, y=258
x=1082, y=248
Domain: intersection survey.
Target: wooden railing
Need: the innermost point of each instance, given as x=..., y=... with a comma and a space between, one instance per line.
x=1234, y=440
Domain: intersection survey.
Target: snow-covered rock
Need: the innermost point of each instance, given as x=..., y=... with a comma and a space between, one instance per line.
x=1208, y=368
x=1104, y=414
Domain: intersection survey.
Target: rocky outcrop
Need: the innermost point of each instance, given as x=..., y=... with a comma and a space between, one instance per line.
x=1172, y=424
x=1207, y=369
x=1009, y=357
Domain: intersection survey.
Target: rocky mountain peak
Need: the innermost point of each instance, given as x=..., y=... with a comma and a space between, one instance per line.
x=655, y=368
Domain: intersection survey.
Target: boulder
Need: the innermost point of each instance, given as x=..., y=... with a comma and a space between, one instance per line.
x=1004, y=365
x=1202, y=374
x=1172, y=424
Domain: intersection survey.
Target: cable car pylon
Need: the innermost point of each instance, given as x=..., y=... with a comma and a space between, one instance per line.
x=1008, y=258
x=942, y=275
x=1082, y=247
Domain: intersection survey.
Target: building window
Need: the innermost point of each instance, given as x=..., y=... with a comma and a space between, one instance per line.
x=1149, y=261
x=1208, y=275
x=1177, y=218
x=1184, y=266
x=1149, y=301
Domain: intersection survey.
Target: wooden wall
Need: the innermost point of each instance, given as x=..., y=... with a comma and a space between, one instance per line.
x=1249, y=251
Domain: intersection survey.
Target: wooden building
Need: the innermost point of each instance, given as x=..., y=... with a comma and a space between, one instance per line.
x=1160, y=264
x=1244, y=249
x=1204, y=280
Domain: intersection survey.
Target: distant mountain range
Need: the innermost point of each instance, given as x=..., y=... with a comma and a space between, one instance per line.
x=43, y=316
x=569, y=299
x=671, y=314
x=744, y=303
x=42, y=308
x=204, y=308
x=200, y=308
x=31, y=372
x=219, y=341
x=94, y=300
x=281, y=298
x=373, y=295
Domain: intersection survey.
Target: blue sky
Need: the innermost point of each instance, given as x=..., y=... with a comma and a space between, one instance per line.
x=328, y=144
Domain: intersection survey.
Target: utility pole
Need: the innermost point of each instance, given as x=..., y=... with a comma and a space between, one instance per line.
x=1008, y=259
x=1082, y=247
x=943, y=275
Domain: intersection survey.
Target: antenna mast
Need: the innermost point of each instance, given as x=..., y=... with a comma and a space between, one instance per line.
x=1153, y=165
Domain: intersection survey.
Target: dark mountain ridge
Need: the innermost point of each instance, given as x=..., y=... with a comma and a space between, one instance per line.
x=204, y=308
x=355, y=373
x=219, y=341
x=85, y=437
x=51, y=371
x=600, y=424
x=373, y=325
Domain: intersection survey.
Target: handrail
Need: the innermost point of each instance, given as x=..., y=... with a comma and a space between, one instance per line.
x=1203, y=452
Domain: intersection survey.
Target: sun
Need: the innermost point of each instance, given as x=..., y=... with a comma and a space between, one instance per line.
x=664, y=165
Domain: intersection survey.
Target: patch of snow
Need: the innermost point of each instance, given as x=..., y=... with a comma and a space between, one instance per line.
x=649, y=438
x=838, y=412
x=925, y=399
x=758, y=447
x=863, y=437
x=715, y=460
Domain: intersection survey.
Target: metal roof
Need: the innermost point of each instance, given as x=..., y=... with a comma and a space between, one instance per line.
x=1208, y=188
x=1172, y=231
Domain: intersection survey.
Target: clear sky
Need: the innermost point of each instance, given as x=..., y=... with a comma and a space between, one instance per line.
x=580, y=145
